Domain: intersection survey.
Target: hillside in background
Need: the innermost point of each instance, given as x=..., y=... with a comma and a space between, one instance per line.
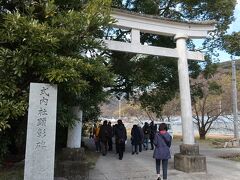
x=115, y=109
x=227, y=65
x=111, y=108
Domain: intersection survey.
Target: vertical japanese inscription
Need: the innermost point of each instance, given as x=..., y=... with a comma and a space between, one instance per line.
x=42, y=118
x=40, y=146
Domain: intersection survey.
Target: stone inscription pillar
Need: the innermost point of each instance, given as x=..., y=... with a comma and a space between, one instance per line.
x=41, y=128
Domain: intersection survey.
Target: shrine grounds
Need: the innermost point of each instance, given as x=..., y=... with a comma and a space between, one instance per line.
x=142, y=166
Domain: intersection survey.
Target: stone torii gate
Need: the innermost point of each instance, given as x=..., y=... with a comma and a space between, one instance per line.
x=188, y=159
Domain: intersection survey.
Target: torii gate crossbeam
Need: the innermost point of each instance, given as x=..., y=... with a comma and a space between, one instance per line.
x=150, y=50
x=160, y=26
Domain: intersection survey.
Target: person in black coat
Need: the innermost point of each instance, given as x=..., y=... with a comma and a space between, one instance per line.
x=116, y=144
x=121, y=137
x=103, y=137
x=142, y=137
x=153, y=130
x=110, y=131
x=135, y=139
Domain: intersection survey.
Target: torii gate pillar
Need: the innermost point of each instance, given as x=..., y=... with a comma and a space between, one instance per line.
x=189, y=159
x=184, y=86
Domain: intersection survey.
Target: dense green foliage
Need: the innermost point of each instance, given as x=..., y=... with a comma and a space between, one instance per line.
x=47, y=41
x=231, y=43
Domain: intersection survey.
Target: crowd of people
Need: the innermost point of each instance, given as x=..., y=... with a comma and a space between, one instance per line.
x=160, y=141
x=103, y=135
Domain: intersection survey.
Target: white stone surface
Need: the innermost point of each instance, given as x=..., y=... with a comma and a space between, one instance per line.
x=75, y=132
x=135, y=36
x=41, y=128
x=136, y=47
x=185, y=98
x=147, y=24
x=160, y=26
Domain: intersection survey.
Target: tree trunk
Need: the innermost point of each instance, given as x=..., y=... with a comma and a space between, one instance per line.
x=202, y=134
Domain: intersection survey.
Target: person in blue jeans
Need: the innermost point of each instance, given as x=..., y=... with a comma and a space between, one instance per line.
x=162, y=142
x=146, y=131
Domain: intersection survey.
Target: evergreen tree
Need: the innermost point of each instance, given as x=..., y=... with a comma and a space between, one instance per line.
x=47, y=41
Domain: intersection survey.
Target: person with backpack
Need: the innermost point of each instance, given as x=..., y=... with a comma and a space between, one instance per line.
x=121, y=137
x=162, y=142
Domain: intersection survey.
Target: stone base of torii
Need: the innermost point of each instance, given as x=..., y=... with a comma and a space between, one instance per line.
x=189, y=159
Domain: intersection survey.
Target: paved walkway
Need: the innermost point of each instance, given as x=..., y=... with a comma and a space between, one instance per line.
x=142, y=166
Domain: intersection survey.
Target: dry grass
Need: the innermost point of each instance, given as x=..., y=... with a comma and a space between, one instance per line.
x=233, y=157
x=210, y=139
